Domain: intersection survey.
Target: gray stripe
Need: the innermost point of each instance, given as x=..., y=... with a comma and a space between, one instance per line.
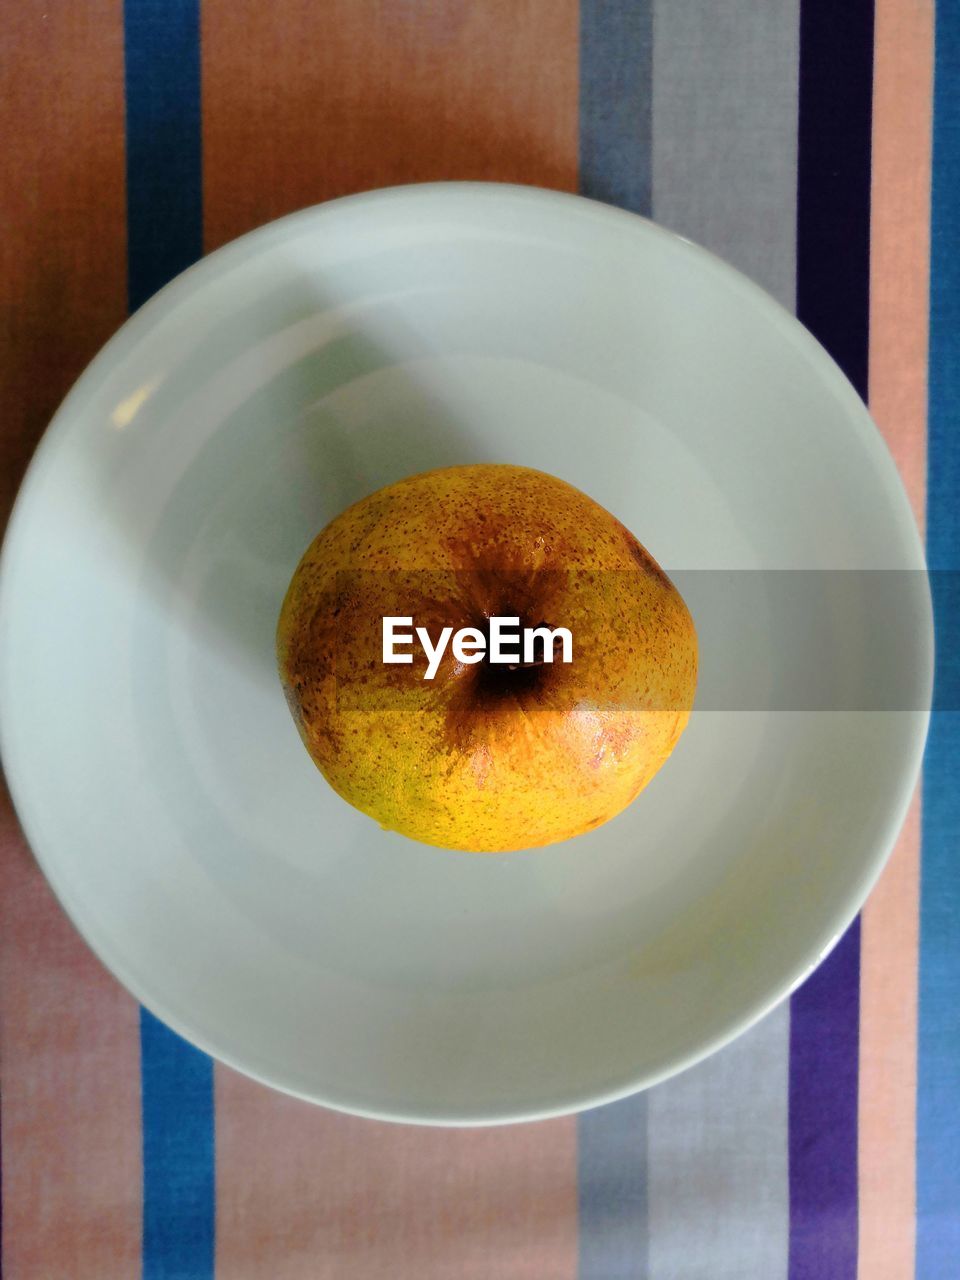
x=615, y=93
x=717, y=1185
x=616, y=54
x=725, y=131
x=724, y=174
x=612, y=1190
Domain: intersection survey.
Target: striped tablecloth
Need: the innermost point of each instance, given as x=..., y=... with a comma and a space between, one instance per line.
x=816, y=145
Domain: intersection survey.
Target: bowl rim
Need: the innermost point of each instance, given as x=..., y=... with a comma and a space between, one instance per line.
x=215, y=264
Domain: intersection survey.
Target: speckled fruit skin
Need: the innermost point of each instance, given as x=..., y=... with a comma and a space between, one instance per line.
x=483, y=758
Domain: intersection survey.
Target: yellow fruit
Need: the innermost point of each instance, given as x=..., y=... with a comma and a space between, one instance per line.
x=486, y=757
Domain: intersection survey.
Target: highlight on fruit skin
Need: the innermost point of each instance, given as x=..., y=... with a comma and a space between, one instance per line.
x=485, y=757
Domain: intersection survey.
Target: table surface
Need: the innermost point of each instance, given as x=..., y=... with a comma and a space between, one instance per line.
x=811, y=144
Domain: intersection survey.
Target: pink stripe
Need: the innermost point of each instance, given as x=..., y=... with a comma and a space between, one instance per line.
x=900, y=248
x=70, y=1087
x=900, y=234
x=888, y=1057
x=303, y=1192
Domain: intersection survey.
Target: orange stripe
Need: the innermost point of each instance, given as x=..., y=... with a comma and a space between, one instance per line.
x=305, y=102
x=306, y=1192
x=70, y=1043
x=903, y=82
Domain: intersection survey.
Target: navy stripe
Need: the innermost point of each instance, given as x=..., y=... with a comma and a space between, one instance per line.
x=165, y=235
x=938, y=1067
x=164, y=187
x=612, y=1191
x=178, y=1156
x=834, y=136
x=616, y=93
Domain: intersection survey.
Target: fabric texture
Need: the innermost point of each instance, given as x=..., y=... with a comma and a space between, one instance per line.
x=816, y=146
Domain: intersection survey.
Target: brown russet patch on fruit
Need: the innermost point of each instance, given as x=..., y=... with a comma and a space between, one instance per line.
x=643, y=557
x=293, y=696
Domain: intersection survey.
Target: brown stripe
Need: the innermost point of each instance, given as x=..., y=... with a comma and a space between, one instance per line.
x=305, y=101
x=305, y=1192
x=62, y=252
x=899, y=252
x=70, y=1083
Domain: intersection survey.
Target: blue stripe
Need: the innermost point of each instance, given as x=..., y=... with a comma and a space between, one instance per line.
x=165, y=235
x=164, y=189
x=178, y=1156
x=616, y=93
x=612, y=1190
x=938, y=1082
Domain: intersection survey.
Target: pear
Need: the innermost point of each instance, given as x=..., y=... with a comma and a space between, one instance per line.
x=486, y=756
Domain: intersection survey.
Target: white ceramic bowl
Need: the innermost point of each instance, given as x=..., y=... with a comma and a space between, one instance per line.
x=156, y=769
